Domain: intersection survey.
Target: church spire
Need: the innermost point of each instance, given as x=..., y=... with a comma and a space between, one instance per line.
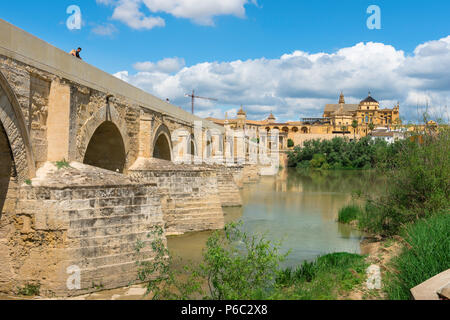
x=342, y=98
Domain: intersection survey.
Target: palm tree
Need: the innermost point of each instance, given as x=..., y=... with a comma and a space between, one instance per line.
x=354, y=126
x=344, y=130
x=371, y=127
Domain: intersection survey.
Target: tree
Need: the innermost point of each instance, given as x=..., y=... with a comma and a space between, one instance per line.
x=290, y=143
x=354, y=126
x=371, y=127
x=344, y=130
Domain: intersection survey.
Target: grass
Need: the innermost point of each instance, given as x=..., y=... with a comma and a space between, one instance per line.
x=62, y=164
x=426, y=253
x=325, y=279
x=29, y=290
x=349, y=213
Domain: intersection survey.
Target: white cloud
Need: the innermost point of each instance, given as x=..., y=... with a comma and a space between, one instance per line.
x=105, y=29
x=128, y=12
x=168, y=65
x=199, y=11
x=299, y=84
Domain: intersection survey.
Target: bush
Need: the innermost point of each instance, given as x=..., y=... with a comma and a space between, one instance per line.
x=426, y=254
x=235, y=266
x=418, y=186
x=349, y=213
x=240, y=267
x=290, y=143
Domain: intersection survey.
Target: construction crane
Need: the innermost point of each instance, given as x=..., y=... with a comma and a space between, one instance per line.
x=193, y=97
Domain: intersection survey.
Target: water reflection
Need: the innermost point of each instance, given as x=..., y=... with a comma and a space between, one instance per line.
x=298, y=208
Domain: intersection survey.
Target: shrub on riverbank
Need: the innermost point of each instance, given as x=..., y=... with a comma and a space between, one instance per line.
x=341, y=153
x=235, y=266
x=349, y=213
x=418, y=186
x=426, y=253
x=324, y=279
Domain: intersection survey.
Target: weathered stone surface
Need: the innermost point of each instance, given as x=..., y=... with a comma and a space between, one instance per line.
x=444, y=293
x=79, y=216
x=430, y=288
x=189, y=194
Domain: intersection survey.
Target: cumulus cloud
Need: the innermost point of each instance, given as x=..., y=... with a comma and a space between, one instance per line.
x=201, y=12
x=299, y=84
x=107, y=29
x=167, y=65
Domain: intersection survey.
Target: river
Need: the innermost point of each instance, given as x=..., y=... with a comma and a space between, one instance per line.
x=299, y=209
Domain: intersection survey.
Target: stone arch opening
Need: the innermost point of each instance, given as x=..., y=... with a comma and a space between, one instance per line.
x=106, y=148
x=162, y=149
x=209, y=145
x=7, y=168
x=15, y=131
x=305, y=130
x=192, y=148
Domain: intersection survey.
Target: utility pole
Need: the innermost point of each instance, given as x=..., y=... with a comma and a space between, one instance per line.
x=193, y=97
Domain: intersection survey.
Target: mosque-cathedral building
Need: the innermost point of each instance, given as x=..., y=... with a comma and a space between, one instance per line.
x=337, y=120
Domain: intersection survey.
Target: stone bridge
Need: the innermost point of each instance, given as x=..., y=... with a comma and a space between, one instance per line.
x=86, y=172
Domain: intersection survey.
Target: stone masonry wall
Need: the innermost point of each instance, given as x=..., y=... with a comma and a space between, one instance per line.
x=90, y=226
x=228, y=188
x=189, y=195
x=8, y=201
x=39, y=98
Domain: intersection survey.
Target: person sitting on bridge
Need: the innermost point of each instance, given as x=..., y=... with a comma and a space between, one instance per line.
x=76, y=53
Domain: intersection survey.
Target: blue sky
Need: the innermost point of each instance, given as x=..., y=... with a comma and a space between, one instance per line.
x=234, y=52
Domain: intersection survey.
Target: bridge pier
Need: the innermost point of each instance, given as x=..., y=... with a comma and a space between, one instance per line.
x=189, y=194
x=79, y=220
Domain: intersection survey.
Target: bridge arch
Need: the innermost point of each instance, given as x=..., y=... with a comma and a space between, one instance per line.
x=162, y=144
x=104, y=134
x=106, y=148
x=12, y=123
x=192, y=144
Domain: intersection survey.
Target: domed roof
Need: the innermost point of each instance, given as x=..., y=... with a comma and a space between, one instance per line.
x=241, y=112
x=369, y=99
x=342, y=98
x=271, y=117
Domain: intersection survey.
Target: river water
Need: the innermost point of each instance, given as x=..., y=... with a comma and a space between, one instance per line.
x=299, y=209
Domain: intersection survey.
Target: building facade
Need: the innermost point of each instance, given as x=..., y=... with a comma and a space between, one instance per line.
x=341, y=119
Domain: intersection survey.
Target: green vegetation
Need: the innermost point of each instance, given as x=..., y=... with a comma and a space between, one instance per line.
x=162, y=279
x=341, y=153
x=237, y=266
x=29, y=290
x=63, y=164
x=349, y=213
x=240, y=267
x=418, y=186
x=28, y=182
x=325, y=279
x=290, y=143
x=426, y=254
x=414, y=206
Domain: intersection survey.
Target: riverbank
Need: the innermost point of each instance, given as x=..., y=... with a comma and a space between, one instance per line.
x=414, y=212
